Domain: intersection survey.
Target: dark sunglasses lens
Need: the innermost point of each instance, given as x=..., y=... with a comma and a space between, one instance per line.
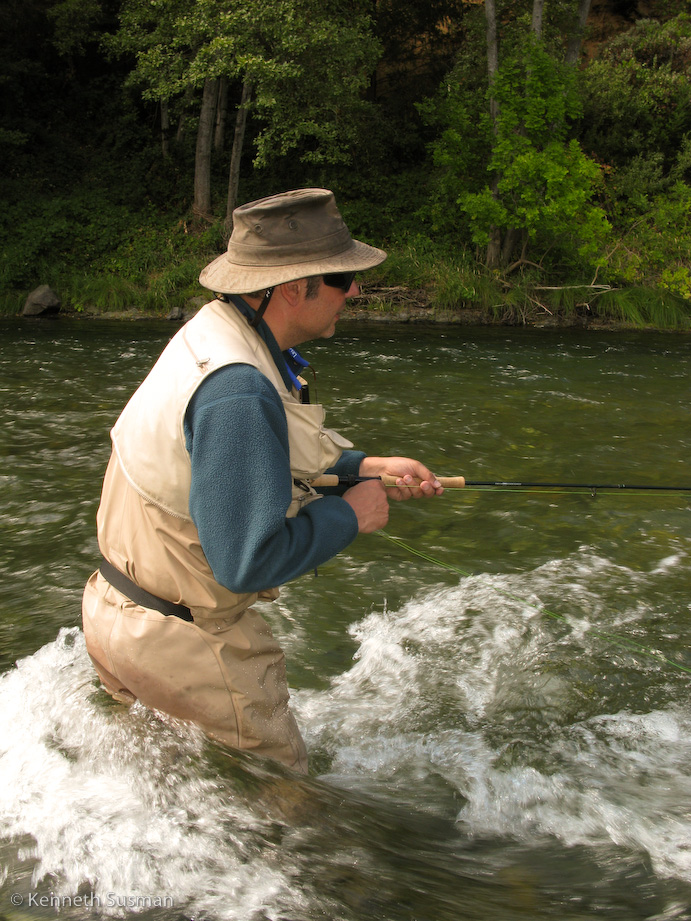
x=342, y=280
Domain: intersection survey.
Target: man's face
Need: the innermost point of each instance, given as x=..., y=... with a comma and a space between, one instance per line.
x=321, y=312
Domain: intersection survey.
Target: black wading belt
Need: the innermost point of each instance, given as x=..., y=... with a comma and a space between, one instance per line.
x=120, y=582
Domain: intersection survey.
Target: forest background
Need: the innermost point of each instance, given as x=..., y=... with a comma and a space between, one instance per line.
x=524, y=161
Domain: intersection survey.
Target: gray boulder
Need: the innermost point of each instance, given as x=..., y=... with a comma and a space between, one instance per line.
x=177, y=313
x=194, y=304
x=183, y=314
x=43, y=301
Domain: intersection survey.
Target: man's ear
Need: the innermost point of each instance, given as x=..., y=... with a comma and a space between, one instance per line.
x=294, y=291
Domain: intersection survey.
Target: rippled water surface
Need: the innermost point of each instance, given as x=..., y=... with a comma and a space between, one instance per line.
x=494, y=694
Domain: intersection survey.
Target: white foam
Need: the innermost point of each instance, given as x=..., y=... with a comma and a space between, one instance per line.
x=114, y=800
x=472, y=685
x=468, y=701
x=668, y=564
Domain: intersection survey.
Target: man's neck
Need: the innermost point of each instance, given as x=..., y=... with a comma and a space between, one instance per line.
x=245, y=306
x=276, y=318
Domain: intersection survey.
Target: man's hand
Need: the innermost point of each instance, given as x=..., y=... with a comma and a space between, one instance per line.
x=370, y=503
x=416, y=480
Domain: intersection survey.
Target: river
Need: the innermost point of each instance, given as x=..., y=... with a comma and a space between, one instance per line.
x=494, y=693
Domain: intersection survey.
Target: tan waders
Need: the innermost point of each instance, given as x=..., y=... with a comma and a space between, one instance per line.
x=223, y=670
x=227, y=676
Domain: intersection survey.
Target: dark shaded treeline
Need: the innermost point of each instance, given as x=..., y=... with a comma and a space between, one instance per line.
x=101, y=147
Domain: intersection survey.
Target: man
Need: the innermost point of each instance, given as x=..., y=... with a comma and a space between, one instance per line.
x=207, y=502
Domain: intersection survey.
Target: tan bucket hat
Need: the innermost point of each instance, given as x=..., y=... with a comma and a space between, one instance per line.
x=283, y=237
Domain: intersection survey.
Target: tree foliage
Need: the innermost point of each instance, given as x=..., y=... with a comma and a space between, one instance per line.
x=637, y=107
x=544, y=182
x=308, y=63
x=637, y=123
x=584, y=171
x=538, y=185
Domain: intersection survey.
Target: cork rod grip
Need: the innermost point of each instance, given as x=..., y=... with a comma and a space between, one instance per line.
x=448, y=482
x=329, y=479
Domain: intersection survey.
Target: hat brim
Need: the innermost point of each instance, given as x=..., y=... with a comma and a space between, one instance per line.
x=226, y=277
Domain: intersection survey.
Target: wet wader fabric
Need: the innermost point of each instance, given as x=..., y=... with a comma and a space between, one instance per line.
x=228, y=676
x=224, y=671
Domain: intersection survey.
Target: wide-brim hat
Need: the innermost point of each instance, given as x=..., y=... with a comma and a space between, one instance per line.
x=283, y=237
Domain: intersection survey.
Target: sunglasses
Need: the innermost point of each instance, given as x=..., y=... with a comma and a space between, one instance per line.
x=341, y=280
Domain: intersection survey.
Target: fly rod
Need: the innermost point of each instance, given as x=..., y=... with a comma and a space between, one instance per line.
x=459, y=482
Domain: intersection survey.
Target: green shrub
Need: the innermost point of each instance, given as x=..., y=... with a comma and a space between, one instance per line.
x=101, y=293
x=656, y=252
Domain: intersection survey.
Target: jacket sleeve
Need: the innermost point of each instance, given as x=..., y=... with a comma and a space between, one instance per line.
x=237, y=438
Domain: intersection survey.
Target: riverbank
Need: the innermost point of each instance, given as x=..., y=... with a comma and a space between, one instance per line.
x=401, y=304
x=416, y=285
x=414, y=314
x=382, y=303
x=405, y=307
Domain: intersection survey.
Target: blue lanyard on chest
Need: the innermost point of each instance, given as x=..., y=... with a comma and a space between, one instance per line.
x=293, y=356
x=300, y=362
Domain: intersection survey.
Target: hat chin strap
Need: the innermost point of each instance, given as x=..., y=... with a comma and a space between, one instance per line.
x=257, y=318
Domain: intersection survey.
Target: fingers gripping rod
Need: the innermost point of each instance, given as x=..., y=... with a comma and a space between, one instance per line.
x=329, y=479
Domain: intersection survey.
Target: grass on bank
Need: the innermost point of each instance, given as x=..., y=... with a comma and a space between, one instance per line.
x=448, y=283
x=156, y=267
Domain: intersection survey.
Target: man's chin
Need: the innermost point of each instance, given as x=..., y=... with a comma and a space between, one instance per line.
x=329, y=331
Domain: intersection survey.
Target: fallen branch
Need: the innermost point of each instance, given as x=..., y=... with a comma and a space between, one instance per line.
x=567, y=287
x=397, y=294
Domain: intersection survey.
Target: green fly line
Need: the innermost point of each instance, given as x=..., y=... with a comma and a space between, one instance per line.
x=613, y=638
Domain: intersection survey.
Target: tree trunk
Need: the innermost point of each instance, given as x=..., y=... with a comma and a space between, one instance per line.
x=236, y=156
x=165, y=129
x=511, y=238
x=182, y=122
x=492, y=57
x=493, y=254
x=576, y=39
x=536, y=25
x=221, y=115
x=202, y=161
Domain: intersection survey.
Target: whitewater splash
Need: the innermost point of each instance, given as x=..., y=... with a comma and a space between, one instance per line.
x=467, y=705
x=477, y=692
x=113, y=799
x=117, y=811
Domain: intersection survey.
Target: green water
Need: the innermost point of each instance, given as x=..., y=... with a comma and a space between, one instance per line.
x=484, y=740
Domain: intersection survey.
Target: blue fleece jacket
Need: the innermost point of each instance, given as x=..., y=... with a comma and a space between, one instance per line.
x=237, y=436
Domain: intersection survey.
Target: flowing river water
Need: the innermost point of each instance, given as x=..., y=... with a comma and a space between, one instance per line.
x=500, y=728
